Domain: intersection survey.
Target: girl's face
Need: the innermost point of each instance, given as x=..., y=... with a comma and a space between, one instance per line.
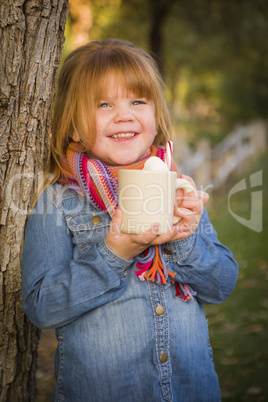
x=126, y=126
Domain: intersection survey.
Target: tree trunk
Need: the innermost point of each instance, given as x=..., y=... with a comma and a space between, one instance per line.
x=159, y=12
x=31, y=41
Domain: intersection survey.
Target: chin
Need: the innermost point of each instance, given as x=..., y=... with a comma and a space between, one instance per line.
x=123, y=161
x=125, y=158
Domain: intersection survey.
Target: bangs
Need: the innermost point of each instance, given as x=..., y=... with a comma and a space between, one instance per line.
x=132, y=82
x=134, y=75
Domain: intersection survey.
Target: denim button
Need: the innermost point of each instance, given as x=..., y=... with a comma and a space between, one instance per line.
x=95, y=219
x=163, y=357
x=159, y=310
x=168, y=251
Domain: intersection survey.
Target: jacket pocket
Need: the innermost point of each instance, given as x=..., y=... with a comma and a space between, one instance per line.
x=88, y=228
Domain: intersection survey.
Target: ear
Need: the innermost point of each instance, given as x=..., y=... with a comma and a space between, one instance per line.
x=75, y=137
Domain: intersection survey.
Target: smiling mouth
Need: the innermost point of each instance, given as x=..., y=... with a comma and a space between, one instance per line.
x=123, y=136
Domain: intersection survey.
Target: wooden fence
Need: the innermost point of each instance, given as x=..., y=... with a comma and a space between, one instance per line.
x=210, y=167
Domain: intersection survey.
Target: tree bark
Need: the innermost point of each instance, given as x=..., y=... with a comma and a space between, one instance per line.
x=159, y=12
x=31, y=41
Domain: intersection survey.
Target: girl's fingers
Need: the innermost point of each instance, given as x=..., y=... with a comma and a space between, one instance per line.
x=147, y=237
x=194, y=201
x=173, y=234
x=189, y=208
x=199, y=194
x=115, y=226
x=179, y=196
x=188, y=178
x=205, y=197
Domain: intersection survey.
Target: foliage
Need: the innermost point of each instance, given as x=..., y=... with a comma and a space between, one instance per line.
x=220, y=50
x=216, y=50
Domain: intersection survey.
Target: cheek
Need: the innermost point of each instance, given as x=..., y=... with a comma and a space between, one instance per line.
x=150, y=123
x=153, y=129
x=154, y=125
x=101, y=120
x=98, y=127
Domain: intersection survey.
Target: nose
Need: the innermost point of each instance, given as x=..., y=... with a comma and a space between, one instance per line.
x=123, y=114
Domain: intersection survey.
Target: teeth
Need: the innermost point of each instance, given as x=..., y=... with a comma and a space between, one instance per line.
x=122, y=135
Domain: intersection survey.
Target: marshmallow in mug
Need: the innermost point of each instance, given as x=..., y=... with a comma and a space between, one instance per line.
x=147, y=196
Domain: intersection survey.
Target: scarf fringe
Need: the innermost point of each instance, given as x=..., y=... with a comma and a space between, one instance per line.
x=152, y=267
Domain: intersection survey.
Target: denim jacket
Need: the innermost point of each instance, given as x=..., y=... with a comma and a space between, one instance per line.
x=121, y=339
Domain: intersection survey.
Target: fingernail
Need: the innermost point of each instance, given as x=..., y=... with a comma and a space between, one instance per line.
x=155, y=227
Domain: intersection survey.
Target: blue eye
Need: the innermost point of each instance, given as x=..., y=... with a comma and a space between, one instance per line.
x=104, y=104
x=139, y=102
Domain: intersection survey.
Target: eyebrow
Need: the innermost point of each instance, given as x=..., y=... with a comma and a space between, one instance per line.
x=127, y=95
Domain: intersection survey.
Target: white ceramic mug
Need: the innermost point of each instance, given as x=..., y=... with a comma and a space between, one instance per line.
x=146, y=198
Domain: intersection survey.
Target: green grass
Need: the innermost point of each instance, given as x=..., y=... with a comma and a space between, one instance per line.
x=239, y=327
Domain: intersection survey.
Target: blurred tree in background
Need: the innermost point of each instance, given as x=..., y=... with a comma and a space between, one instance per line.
x=212, y=53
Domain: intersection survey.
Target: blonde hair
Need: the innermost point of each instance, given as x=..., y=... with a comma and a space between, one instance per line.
x=83, y=77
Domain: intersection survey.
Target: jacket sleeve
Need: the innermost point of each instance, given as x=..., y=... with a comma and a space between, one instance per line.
x=56, y=288
x=202, y=262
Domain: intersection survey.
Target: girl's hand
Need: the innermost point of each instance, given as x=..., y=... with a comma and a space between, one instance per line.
x=130, y=245
x=189, y=207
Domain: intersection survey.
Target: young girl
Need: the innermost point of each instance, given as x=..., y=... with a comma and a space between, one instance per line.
x=121, y=339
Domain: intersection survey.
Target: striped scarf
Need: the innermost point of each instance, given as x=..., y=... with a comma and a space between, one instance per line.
x=98, y=182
